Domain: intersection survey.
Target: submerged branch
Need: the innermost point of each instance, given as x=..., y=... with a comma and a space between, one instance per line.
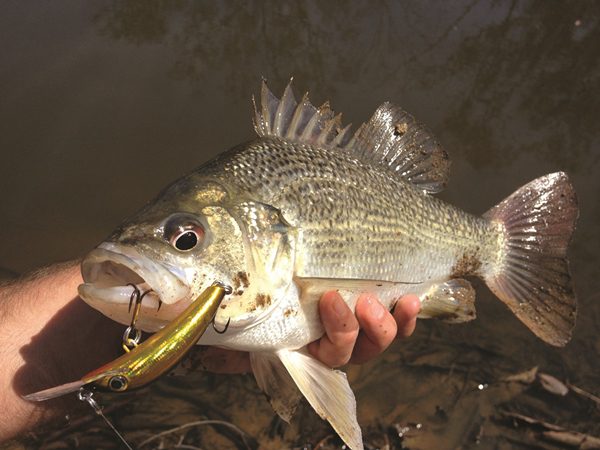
x=238, y=430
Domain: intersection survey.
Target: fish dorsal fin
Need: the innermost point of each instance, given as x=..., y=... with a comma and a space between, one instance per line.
x=391, y=139
x=300, y=122
x=394, y=139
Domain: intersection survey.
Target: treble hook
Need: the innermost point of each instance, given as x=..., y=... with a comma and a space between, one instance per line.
x=224, y=329
x=228, y=290
x=134, y=295
x=137, y=297
x=128, y=341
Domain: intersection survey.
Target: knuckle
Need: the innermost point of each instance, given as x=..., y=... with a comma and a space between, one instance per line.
x=339, y=360
x=344, y=341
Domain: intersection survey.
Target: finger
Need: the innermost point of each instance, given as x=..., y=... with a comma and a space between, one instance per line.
x=405, y=313
x=341, y=328
x=378, y=329
x=220, y=360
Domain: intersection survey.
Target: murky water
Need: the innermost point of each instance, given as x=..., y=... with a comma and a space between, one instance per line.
x=103, y=103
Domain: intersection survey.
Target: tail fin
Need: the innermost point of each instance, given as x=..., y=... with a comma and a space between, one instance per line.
x=533, y=277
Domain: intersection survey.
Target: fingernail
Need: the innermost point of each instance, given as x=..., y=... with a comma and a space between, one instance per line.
x=376, y=309
x=340, y=308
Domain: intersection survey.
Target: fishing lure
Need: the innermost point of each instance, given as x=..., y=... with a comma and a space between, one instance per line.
x=152, y=358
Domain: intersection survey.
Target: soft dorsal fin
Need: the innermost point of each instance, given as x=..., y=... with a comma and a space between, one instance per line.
x=392, y=138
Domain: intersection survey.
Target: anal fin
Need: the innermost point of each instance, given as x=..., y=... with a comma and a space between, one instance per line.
x=277, y=384
x=328, y=392
x=452, y=301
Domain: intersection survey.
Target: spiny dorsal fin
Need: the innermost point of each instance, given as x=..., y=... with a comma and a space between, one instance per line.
x=392, y=138
x=300, y=122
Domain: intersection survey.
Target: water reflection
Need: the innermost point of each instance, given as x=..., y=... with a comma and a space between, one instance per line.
x=531, y=64
x=118, y=98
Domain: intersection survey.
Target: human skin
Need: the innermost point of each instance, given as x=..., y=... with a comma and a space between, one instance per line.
x=49, y=336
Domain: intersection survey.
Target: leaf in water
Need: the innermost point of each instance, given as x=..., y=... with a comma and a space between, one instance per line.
x=526, y=377
x=552, y=384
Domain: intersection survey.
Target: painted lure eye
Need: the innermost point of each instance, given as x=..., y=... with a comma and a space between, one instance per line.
x=187, y=238
x=118, y=383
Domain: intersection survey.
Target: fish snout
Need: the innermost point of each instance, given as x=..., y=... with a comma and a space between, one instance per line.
x=110, y=270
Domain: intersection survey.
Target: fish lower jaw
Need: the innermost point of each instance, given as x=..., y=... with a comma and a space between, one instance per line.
x=113, y=302
x=118, y=295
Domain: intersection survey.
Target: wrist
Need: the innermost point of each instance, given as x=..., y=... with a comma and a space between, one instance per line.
x=49, y=336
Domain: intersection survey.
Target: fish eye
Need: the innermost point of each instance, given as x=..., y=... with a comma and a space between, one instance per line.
x=118, y=383
x=187, y=239
x=184, y=231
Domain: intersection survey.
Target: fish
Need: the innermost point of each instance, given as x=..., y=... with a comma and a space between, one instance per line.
x=152, y=358
x=309, y=206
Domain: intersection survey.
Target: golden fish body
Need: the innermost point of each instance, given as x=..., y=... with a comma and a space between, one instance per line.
x=307, y=207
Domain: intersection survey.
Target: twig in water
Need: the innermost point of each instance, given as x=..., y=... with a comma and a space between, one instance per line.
x=585, y=394
x=195, y=424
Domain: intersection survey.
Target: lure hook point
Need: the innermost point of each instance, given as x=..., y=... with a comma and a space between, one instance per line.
x=135, y=295
x=224, y=329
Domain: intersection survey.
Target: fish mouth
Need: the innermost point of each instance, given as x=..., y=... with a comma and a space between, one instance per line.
x=110, y=270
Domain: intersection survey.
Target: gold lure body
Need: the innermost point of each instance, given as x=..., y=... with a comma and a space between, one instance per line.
x=152, y=358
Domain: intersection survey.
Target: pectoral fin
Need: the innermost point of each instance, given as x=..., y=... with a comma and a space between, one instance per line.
x=274, y=380
x=328, y=392
x=452, y=301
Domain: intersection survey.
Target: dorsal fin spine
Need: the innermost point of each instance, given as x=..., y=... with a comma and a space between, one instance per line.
x=297, y=119
x=343, y=136
x=310, y=127
x=285, y=110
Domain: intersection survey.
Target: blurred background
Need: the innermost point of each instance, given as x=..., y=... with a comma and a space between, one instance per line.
x=102, y=103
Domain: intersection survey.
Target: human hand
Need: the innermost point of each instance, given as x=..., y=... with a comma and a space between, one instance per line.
x=361, y=337
x=348, y=337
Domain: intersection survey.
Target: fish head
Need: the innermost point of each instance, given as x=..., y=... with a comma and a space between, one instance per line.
x=172, y=250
